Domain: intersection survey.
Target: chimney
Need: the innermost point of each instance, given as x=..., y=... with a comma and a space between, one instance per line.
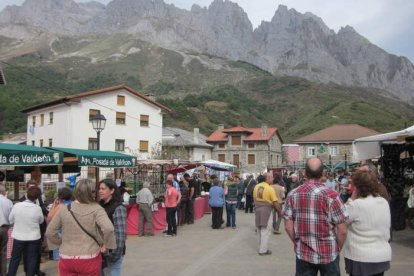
x=196, y=134
x=151, y=97
x=220, y=127
x=264, y=130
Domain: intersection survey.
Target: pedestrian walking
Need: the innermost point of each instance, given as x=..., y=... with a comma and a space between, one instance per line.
x=87, y=233
x=216, y=201
x=6, y=206
x=144, y=200
x=315, y=220
x=26, y=218
x=369, y=217
x=265, y=201
x=111, y=201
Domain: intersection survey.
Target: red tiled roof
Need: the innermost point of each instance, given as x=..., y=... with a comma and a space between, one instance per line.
x=338, y=133
x=236, y=129
x=96, y=92
x=255, y=134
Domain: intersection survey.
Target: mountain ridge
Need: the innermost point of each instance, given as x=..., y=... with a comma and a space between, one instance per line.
x=291, y=43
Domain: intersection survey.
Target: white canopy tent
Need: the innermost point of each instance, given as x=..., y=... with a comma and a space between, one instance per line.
x=370, y=147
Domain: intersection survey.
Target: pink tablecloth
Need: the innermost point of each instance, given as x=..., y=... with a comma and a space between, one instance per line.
x=159, y=222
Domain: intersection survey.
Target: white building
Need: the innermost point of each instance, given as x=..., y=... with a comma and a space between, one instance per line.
x=133, y=121
x=185, y=145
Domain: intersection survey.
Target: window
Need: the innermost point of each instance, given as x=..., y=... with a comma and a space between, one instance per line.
x=120, y=100
x=251, y=159
x=41, y=142
x=92, y=144
x=93, y=112
x=144, y=120
x=236, y=160
x=119, y=145
x=143, y=146
x=236, y=140
x=221, y=146
x=311, y=151
x=33, y=142
x=333, y=150
x=33, y=121
x=50, y=118
x=120, y=118
x=50, y=142
x=42, y=119
x=250, y=145
x=222, y=157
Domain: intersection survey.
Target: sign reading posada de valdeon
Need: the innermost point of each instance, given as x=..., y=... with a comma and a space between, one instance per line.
x=18, y=155
x=110, y=162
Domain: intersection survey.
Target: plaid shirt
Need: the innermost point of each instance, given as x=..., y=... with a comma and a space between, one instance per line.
x=119, y=218
x=315, y=211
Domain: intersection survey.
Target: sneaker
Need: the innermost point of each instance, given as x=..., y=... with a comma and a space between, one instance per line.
x=234, y=227
x=276, y=232
x=168, y=235
x=268, y=252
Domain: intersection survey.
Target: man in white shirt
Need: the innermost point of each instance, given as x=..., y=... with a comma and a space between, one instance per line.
x=5, y=208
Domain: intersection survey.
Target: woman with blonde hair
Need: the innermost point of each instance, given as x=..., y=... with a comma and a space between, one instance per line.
x=366, y=249
x=87, y=232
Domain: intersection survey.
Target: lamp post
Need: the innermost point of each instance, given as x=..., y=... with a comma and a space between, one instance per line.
x=98, y=123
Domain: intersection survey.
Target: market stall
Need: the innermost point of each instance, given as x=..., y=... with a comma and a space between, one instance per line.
x=395, y=151
x=159, y=222
x=14, y=156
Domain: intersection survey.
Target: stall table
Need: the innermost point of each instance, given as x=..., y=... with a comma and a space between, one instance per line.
x=159, y=222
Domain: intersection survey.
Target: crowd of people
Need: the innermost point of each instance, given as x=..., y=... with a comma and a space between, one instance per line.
x=324, y=214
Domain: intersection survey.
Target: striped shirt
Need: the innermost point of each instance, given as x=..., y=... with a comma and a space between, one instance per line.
x=315, y=211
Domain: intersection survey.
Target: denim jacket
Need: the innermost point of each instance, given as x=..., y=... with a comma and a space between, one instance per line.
x=216, y=197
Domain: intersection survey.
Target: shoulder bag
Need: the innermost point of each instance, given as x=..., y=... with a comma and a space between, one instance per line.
x=104, y=257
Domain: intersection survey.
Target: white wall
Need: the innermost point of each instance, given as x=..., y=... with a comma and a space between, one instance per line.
x=199, y=152
x=71, y=127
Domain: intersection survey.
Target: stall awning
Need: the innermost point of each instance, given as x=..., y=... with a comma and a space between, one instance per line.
x=22, y=155
x=370, y=147
x=219, y=166
x=97, y=158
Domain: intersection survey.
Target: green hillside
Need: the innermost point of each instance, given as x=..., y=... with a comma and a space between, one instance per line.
x=203, y=90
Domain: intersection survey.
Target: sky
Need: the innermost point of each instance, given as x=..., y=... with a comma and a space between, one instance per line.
x=386, y=23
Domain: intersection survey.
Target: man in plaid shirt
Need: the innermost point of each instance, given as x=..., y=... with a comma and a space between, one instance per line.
x=315, y=222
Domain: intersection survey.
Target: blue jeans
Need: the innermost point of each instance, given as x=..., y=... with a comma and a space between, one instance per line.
x=308, y=269
x=30, y=250
x=113, y=269
x=231, y=214
x=240, y=205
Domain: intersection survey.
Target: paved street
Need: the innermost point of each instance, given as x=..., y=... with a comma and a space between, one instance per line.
x=199, y=250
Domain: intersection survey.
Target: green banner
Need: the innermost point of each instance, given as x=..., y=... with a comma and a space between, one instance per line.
x=99, y=158
x=106, y=161
x=21, y=155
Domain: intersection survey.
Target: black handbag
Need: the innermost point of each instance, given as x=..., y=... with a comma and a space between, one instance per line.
x=104, y=257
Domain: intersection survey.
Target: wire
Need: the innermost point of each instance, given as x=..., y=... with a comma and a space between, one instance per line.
x=70, y=92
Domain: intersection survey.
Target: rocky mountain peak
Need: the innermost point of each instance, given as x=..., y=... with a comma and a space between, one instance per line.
x=292, y=43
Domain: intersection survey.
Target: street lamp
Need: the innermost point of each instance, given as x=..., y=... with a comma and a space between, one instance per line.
x=98, y=123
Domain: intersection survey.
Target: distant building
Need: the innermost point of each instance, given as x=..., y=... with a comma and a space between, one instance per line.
x=133, y=121
x=332, y=144
x=250, y=149
x=185, y=145
x=291, y=154
x=18, y=138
